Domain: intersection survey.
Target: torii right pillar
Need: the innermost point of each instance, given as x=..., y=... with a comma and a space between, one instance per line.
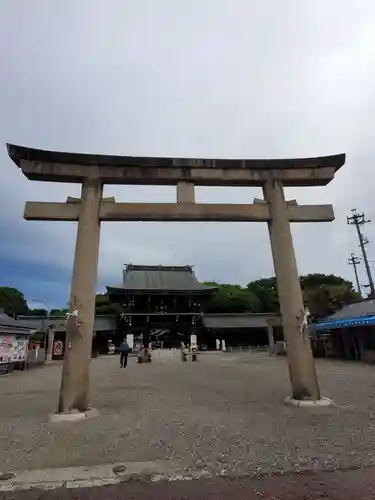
x=301, y=362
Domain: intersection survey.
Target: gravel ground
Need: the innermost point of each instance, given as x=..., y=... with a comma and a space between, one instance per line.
x=224, y=413
x=337, y=485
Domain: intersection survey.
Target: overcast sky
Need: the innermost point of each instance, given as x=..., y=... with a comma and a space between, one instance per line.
x=211, y=78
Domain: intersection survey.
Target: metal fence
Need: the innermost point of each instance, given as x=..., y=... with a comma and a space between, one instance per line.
x=247, y=348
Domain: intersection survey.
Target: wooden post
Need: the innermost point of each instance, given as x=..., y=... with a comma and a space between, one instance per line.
x=271, y=340
x=51, y=338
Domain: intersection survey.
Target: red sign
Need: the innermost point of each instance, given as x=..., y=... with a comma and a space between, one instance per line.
x=58, y=348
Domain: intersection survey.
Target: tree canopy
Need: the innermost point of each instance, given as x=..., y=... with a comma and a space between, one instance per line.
x=12, y=301
x=323, y=294
x=104, y=306
x=58, y=312
x=266, y=292
x=326, y=294
x=232, y=298
x=37, y=312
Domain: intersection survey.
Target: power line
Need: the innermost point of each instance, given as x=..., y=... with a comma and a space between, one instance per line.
x=355, y=261
x=358, y=220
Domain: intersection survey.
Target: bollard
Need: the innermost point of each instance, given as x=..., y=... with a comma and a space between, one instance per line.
x=194, y=353
x=145, y=356
x=183, y=352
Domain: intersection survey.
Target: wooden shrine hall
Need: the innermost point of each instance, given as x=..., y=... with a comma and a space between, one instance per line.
x=165, y=305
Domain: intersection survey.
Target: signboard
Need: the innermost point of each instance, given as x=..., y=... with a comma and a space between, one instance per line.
x=13, y=348
x=6, y=348
x=130, y=340
x=20, y=349
x=58, y=348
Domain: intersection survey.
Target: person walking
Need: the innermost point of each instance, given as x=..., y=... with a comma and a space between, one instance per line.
x=124, y=352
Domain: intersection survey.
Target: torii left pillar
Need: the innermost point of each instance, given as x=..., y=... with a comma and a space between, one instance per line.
x=74, y=392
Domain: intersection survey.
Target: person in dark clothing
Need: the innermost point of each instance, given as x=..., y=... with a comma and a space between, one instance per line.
x=124, y=352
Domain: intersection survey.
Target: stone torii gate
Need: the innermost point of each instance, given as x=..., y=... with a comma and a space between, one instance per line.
x=93, y=171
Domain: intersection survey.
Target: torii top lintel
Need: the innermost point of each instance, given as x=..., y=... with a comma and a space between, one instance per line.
x=53, y=166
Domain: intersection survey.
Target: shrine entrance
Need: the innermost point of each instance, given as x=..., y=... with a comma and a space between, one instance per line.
x=164, y=304
x=93, y=171
x=167, y=339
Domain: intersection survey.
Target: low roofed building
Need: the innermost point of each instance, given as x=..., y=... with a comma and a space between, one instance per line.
x=14, y=342
x=349, y=333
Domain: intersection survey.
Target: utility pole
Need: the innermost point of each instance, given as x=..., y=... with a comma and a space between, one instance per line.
x=358, y=220
x=354, y=261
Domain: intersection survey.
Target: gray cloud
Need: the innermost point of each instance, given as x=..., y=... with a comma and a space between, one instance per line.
x=220, y=78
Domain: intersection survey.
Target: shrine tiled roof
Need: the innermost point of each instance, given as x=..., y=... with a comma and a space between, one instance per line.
x=160, y=278
x=363, y=308
x=245, y=320
x=12, y=325
x=355, y=314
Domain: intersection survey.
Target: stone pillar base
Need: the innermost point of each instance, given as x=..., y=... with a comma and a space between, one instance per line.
x=73, y=416
x=307, y=403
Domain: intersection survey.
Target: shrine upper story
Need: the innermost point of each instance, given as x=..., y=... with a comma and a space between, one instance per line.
x=160, y=289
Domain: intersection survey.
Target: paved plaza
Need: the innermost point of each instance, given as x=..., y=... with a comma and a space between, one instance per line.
x=223, y=414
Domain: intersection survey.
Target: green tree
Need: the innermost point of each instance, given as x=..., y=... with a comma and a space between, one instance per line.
x=38, y=312
x=104, y=306
x=326, y=294
x=12, y=301
x=266, y=291
x=58, y=312
x=232, y=299
x=323, y=294
x=318, y=279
